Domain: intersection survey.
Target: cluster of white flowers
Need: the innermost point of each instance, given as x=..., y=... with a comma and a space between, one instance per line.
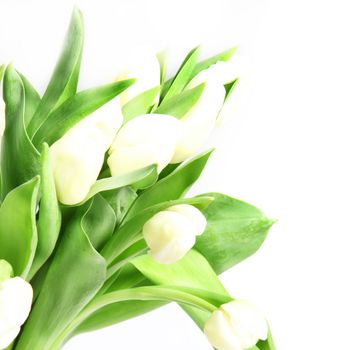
x=145, y=140
x=159, y=139
x=15, y=302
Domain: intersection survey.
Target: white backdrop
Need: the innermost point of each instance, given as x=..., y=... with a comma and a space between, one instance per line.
x=284, y=145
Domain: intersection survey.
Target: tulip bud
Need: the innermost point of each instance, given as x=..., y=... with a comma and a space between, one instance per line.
x=199, y=122
x=237, y=325
x=77, y=157
x=145, y=140
x=140, y=64
x=15, y=303
x=171, y=233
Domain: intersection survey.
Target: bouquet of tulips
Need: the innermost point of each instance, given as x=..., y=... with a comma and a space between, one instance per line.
x=95, y=227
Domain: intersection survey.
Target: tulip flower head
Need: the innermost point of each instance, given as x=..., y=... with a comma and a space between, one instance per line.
x=237, y=325
x=200, y=121
x=140, y=64
x=78, y=156
x=15, y=303
x=145, y=140
x=171, y=233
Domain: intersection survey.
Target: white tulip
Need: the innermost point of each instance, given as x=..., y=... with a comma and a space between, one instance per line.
x=199, y=122
x=77, y=157
x=237, y=325
x=145, y=140
x=140, y=64
x=171, y=233
x=15, y=303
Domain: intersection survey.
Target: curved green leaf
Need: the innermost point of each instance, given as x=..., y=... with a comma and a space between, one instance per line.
x=180, y=104
x=120, y=200
x=222, y=56
x=32, y=99
x=99, y=221
x=235, y=230
x=74, y=109
x=175, y=85
x=15, y=142
x=75, y=275
x=49, y=221
x=192, y=271
x=64, y=81
x=140, y=104
x=18, y=234
x=173, y=186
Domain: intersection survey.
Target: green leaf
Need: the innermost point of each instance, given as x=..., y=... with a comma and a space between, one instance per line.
x=120, y=200
x=98, y=221
x=173, y=186
x=140, y=104
x=235, y=230
x=181, y=103
x=222, y=56
x=267, y=344
x=162, y=59
x=49, y=221
x=75, y=109
x=75, y=275
x=32, y=99
x=175, y=85
x=64, y=81
x=18, y=234
x=15, y=142
x=2, y=70
x=229, y=87
x=192, y=271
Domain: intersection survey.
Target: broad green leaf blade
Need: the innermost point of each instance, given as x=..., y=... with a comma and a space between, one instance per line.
x=32, y=99
x=171, y=187
x=75, y=109
x=141, y=178
x=180, y=104
x=120, y=200
x=192, y=271
x=175, y=85
x=222, y=56
x=140, y=104
x=18, y=234
x=64, y=81
x=130, y=231
x=235, y=230
x=20, y=161
x=99, y=221
x=49, y=221
x=74, y=276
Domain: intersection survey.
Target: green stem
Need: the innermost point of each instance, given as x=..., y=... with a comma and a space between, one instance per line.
x=141, y=293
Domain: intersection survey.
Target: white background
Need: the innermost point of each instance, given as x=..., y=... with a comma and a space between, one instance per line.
x=284, y=146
